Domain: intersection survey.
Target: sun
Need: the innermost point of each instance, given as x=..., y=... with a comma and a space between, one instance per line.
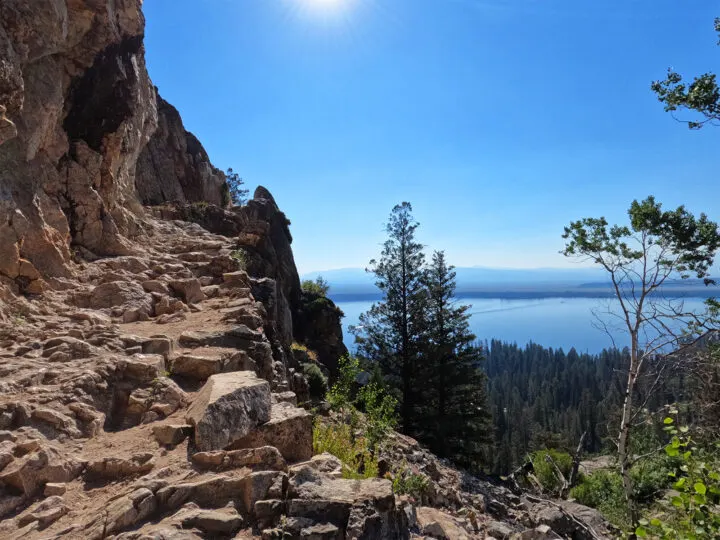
x=326, y=4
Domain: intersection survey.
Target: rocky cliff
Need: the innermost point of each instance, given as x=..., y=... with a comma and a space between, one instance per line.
x=80, y=122
x=174, y=166
x=148, y=388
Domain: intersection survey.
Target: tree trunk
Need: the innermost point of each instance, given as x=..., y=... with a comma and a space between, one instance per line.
x=624, y=438
x=572, y=481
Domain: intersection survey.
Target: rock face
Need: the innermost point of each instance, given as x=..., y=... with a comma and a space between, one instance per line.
x=229, y=407
x=77, y=110
x=318, y=325
x=174, y=165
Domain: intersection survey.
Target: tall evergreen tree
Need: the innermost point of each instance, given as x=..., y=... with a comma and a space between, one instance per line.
x=389, y=334
x=457, y=419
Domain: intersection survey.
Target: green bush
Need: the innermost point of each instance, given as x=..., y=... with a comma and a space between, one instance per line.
x=338, y=439
x=318, y=287
x=545, y=471
x=341, y=395
x=317, y=382
x=603, y=490
x=380, y=413
x=650, y=478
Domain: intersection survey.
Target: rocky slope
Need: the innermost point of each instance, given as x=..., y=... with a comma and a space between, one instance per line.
x=148, y=387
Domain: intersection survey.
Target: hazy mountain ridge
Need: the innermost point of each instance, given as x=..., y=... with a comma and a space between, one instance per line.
x=355, y=284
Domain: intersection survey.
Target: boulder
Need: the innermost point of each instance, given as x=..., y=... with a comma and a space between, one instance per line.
x=45, y=512
x=259, y=459
x=52, y=488
x=190, y=290
x=365, y=508
x=228, y=408
x=171, y=434
x=157, y=345
x=289, y=430
x=196, y=367
x=120, y=293
x=325, y=463
x=437, y=524
x=31, y=472
x=115, y=468
x=214, y=522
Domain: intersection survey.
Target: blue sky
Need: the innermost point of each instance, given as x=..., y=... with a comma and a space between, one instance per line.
x=499, y=120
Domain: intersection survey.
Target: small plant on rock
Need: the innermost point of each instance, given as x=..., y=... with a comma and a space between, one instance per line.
x=241, y=257
x=407, y=482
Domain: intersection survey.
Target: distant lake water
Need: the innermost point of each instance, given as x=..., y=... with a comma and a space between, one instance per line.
x=550, y=322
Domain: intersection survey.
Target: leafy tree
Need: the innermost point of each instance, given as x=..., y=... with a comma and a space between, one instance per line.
x=235, y=188
x=702, y=95
x=639, y=259
x=456, y=417
x=390, y=333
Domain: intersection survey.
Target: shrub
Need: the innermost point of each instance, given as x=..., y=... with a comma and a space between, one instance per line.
x=650, y=478
x=380, y=413
x=545, y=472
x=603, y=490
x=319, y=287
x=338, y=439
x=317, y=382
x=341, y=395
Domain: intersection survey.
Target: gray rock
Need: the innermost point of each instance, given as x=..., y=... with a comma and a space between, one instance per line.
x=228, y=408
x=289, y=430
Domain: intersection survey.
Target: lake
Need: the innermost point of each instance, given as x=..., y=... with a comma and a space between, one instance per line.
x=550, y=322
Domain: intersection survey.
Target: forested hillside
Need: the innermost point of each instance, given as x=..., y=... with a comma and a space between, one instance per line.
x=547, y=398
x=543, y=397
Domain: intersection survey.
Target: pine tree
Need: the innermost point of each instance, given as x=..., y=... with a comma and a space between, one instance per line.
x=457, y=419
x=389, y=334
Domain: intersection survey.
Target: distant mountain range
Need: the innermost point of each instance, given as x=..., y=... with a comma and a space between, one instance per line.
x=348, y=284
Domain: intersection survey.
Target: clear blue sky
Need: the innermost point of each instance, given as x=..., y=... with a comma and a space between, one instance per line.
x=500, y=120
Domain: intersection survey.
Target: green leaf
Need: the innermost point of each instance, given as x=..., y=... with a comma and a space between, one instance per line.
x=680, y=483
x=700, y=488
x=672, y=452
x=641, y=532
x=677, y=502
x=655, y=522
x=668, y=421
